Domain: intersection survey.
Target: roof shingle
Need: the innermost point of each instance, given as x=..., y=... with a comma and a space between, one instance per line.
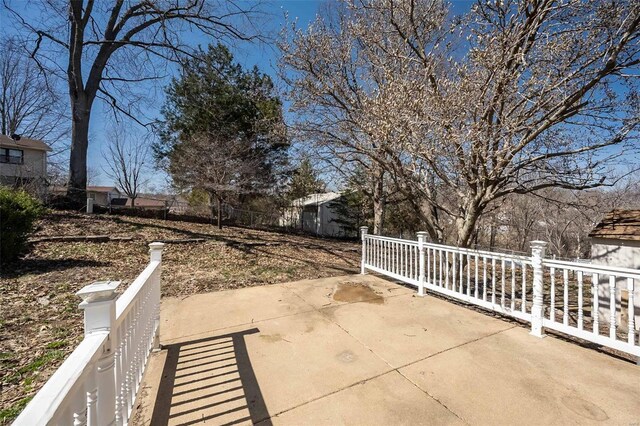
x=620, y=225
x=7, y=142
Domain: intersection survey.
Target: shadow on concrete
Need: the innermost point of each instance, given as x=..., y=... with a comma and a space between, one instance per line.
x=209, y=379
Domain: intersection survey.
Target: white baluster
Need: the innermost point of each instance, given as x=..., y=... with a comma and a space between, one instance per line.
x=513, y=286
x=595, y=315
x=363, y=235
x=502, y=287
x=631, y=333
x=435, y=269
x=552, y=303
x=523, y=306
x=493, y=280
x=484, y=278
x=460, y=262
x=91, y=392
x=454, y=271
x=612, y=306
x=565, y=314
x=476, y=267
x=580, y=302
x=440, y=268
x=79, y=408
x=468, y=275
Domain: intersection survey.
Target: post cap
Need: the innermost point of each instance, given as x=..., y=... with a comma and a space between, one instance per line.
x=422, y=233
x=364, y=228
x=156, y=246
x=99, y=291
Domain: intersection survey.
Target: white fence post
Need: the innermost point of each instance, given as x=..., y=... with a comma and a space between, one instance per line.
x=538, y=249
x=421, y=277
x=89, y=205
x=99, y=305
x=155, y=252
x=364, y=230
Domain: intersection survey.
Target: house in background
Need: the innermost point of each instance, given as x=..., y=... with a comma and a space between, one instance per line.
x=317, y=214
x=23, y=161
x=102, y=195
x=615, y=241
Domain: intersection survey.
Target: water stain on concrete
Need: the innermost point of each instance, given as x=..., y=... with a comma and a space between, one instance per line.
x=347, y=356
x=356, y=292
x=272, y=338
x=584, y=408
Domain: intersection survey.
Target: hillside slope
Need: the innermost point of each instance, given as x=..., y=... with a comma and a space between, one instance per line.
x=40, y=322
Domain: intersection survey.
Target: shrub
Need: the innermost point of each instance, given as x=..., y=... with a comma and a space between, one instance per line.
x=18, y=213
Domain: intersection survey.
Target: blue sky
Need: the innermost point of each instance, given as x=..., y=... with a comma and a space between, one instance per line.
x=263, y=55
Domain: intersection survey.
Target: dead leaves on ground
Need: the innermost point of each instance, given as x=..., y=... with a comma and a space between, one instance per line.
x=40, y=322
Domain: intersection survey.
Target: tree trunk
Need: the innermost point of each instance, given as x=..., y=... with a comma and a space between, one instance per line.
x=133, y=201
x=219, y=212
x=466, y=226
x=379, y=202
x=492, y=235
x=77, y=185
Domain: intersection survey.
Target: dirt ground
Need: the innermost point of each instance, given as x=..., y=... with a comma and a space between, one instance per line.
x=40, y=322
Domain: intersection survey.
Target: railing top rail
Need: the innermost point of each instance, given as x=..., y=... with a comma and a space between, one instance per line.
x=123, y=304
x=593, y=267
x=395, y=240
x=492, y=254
x=46, y=403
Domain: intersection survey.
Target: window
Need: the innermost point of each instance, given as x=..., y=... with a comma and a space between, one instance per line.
x=11, y=156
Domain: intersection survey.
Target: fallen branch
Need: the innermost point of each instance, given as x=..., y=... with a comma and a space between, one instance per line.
x=181, y=240
x=84, y=238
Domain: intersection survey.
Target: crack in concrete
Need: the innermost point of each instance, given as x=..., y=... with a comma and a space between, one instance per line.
x=396, y=369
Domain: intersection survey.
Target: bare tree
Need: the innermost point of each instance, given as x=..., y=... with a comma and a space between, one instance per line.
x=28, y=105
x=102, y=48
x=216, y=164
x=126, y=163
x=513, y=98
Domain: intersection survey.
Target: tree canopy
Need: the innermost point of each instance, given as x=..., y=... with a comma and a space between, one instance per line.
x=223, y=131
x=511, y=98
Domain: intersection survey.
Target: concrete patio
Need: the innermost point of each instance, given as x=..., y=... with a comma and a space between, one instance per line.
x=364, y=350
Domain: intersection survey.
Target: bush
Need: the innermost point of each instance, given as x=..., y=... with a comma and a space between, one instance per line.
x=18, y=212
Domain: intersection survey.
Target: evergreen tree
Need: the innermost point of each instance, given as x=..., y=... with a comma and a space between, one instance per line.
x=305, y=181
x=223, y=131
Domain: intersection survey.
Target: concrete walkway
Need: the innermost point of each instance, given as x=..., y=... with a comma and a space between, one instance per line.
x=363, y=350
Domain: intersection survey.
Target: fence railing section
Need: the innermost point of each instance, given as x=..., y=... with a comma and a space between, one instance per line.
x=97, y=384
x=592, y=302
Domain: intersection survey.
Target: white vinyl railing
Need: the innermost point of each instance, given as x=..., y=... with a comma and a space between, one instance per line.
x=97, y=384
x=580, y=299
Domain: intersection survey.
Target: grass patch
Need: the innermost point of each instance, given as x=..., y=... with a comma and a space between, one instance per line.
x=40, y=361
x=57, y=344
x=10, y=413
x=26, y=371
x=6, y=356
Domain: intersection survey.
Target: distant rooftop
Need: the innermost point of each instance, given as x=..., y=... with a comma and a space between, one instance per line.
x=102, y=189
x=620, y=225
x=317, y=199
x=7, y=142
